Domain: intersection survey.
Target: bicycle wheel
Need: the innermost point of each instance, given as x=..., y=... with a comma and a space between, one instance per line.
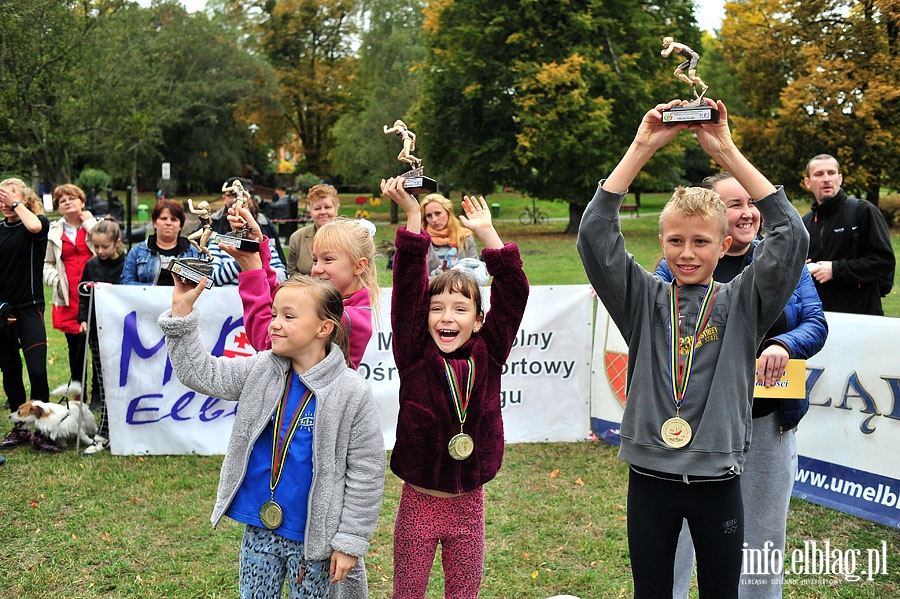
x=542, y=218
x=525, y=218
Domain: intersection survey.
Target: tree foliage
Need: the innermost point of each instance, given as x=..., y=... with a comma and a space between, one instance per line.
x=42, y=46
x=110, y=84
x=824, y=81
x=546, y=95
x=308, y=42
x=386, y=87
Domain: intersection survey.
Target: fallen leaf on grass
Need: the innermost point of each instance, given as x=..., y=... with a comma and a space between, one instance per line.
x=555, y=473
x=579, y=482
x=107, y=538
x=34, y=503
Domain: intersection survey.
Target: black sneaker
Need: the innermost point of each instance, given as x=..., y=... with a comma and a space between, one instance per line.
x=17, y=436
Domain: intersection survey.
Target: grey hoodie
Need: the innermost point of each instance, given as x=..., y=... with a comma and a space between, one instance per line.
x=718, y=399
x=348, y=451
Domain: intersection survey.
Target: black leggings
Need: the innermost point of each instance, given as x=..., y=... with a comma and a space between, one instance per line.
x=29, y=334
x=76, y=343
x=715, y=514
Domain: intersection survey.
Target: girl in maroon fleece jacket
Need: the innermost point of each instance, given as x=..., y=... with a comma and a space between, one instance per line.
x=449, y=430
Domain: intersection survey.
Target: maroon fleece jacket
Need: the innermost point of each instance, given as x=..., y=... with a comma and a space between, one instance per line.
x=427, y=419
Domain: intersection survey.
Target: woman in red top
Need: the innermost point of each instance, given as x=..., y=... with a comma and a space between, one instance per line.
x=68, y=250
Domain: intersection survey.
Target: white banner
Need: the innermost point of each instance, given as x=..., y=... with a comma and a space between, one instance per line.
x=545, y=386
x=852, y=431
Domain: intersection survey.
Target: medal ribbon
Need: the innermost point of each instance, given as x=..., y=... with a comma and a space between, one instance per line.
x=280, y=446
x=460, y=403
x=681, y=373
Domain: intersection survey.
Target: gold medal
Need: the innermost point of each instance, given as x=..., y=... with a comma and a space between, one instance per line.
x=461, y=446
x=270, y=515
x=676, y=432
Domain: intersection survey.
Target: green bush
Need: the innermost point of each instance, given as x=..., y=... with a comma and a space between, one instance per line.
x=93, y=178
x=890, y=207
x=306, y=180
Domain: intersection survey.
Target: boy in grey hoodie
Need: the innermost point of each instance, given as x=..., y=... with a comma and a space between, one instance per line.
x=691, y=353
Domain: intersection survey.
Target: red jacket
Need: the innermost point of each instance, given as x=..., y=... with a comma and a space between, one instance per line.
x=427, y=419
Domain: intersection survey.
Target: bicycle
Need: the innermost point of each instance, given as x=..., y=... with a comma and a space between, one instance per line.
x=533, y=215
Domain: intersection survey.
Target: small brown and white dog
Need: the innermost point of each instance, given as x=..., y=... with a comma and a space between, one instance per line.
x=59, y=422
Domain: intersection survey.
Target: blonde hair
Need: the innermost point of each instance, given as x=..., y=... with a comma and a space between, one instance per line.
x=696, y=201
x=322, y=191
x=67, y=189
x=350, y=237
x=329, y=306
x=32, y=202
x=457, y=231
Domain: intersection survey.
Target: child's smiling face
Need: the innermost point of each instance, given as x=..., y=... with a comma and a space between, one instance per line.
x=692, y=246
x=452, y=318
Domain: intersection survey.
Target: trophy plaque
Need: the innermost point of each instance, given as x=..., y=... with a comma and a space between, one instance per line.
x=416, y=182
x=192, y=269
x=238, y=240
x=692, y=113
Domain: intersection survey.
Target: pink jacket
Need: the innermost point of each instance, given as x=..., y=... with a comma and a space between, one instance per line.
x=257, y=288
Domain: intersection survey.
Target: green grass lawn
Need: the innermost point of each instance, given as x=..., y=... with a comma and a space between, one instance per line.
x=109, y=526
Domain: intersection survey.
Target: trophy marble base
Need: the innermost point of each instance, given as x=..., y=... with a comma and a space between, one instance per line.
x=416, y=182
x=702, y=113
x=192, y=269
x=238, y=242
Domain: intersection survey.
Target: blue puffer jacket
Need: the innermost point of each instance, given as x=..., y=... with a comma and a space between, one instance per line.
x=807, y=331
x=142, y=263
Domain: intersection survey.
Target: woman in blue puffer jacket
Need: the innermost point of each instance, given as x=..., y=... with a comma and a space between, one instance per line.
x=771, y=462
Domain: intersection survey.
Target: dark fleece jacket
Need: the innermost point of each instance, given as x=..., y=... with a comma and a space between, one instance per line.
x=427, y=419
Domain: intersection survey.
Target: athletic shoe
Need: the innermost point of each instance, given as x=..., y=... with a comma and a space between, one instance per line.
x=100, y=443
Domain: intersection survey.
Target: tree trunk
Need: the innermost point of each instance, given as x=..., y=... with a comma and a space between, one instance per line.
x=873, y=190
x=575, y=213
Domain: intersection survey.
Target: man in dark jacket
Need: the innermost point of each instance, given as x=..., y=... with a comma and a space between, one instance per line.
x=849, y=243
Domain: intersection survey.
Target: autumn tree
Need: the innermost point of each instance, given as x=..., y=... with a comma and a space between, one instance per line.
x=308, y=42
x=386, y=86
x=823, y=81
x=545, y=96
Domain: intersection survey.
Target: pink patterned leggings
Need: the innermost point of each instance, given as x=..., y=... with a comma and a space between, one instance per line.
x=422, y=522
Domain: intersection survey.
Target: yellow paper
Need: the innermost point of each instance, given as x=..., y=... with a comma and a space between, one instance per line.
x=791, y=386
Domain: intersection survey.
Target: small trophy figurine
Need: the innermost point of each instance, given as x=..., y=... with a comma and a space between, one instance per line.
x=238, y=239
x=194, y=269
x=416, y=182
x=697, y=111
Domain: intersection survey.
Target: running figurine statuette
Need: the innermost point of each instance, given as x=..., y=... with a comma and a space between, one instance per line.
x=415, y=180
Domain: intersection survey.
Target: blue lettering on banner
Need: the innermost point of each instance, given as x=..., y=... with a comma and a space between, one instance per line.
x=131, y=342
x=863, y=494
x=145, y=409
